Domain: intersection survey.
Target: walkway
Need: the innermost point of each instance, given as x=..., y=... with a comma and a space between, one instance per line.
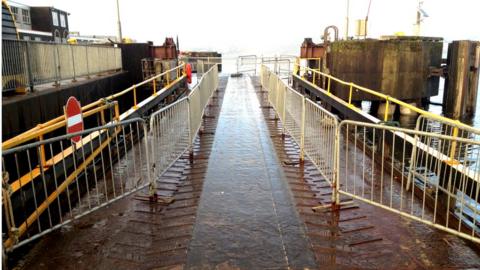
x=238, y=207
x=246, y=218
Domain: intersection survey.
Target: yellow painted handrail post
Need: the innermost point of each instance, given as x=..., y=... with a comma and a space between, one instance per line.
x=385, y=117
x=117, y=111
x=135, y=97
x=350, y=94
x=454, y=145
x=168, y=78
x=43, y=160
x=314, y=75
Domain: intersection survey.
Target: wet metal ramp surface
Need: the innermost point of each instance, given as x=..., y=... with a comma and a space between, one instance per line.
x=246, y=218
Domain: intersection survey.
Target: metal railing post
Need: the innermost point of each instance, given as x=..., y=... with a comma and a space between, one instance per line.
x=150, y=167
x=155, y=87
x=117, y=111
x=302, y=132
x=190, y=128
x=7, y=203
x=135, y=97
x=336, y=173
x=29, y=66
x=73, y=64
x=57, y=66
x=350, y=94
x=86, y=57
x=385, y=117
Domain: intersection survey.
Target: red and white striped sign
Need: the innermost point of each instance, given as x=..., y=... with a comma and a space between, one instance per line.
x=73, y=114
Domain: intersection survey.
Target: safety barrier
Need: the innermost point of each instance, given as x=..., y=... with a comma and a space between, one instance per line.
x=59, y=181
x=401, y=171
x=49, y=183
x=199, y=97
x=317, y=77
x=29, y=63
x=455, y=129
x=174, y=128
x=311, y=126
x=428, y=177
x=169, y=134
x=100, y=108
x=281, y=65
x=247, y=64
x=200, y=64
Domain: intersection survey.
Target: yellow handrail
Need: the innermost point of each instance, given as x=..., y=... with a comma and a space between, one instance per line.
x=87, y=110
x=388, y=99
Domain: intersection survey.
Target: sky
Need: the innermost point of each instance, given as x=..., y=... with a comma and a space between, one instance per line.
x=262, y=27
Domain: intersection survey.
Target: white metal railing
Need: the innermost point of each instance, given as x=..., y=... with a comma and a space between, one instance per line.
x=169, y=135
x=247, y=64
x=429, y=177
x=28, y=63
x=311, y=126
x=173, y=129
x=394, y=169
x=50, y=183
x=200, y=64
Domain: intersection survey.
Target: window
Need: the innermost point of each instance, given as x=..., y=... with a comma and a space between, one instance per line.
x=62, y=20
x=26, y=16
x=38, y=39
x=14, y=12
x=26, y=37
x=55, y=18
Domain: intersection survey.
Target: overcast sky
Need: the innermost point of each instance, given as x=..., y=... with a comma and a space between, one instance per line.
x=262, y=27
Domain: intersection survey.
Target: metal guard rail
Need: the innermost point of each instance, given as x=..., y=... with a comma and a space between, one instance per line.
x=386, y=151
x=83, y=167
x=100, y=105
x=388, y=99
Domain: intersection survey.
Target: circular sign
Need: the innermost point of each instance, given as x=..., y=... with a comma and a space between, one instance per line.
x=73, y=113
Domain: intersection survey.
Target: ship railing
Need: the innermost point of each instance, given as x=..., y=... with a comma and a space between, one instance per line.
x=174, y=128
x=327, y=81
x=26, y=64
x=408, y=172
x=106, y=164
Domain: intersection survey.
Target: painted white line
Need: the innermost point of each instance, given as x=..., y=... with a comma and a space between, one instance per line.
x=73, y=120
